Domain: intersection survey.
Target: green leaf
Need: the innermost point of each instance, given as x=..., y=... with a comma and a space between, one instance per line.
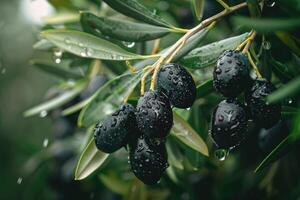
x=198, y=6
x=175, y=157
x=134, y=9
x=90, y=160
x=289, y=41
x=55, y=69
x=276, y=153
x=123, y=30
x=287, y=90
x=43, y=45
x=281, y=70
x=191, y=43
x=185, y=133
x=86, y=45
x=136, y=191
x=207, y=55
x=62, y=18
x=205, y=88
x=108, y=98
x=267, y=25
x=76, y=107
x=57, y=101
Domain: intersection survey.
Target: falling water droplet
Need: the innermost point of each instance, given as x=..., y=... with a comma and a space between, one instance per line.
x=3, y=70
x=221, y=154
x=45, y=142
x=128, y=44
x=19, y=181
x=43, y=114
x=270, y=3
x=266, y=45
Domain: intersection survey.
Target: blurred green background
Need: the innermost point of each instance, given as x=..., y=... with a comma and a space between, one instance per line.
x=21, y=86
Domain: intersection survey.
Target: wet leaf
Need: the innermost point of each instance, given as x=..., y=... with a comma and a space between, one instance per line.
x=90, y=160
x=198, y=6
x=108, y=98
x=186, y=134
x=86, y=45
x=175, y=157
x=134, y=9
x=267, y=25
x=57, y=101
x=123, y=30
x=55, y=69
x=207, y=55
x=287, y=90
x=205, y=88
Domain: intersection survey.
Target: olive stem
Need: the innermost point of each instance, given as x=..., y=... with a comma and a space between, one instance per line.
x=156, y=46
x=225, y=5
x=173, y=49
x=249, y=41
x=130, y=66
x=253, y=65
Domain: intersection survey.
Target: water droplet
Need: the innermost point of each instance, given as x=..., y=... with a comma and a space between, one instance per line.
x=58, y=52
x=270, y=3
x=45, y=142
x=154, y=12
x=43, y=113
x=290, y=101
x=266, y=45
x=67, y=40
x=89, y=52
x=188, y=108
x=218, y=71
x=80, y=44
x=3, y=70
x=221, y=154
x=57, y=60
x=128, y=44
x=19, y=181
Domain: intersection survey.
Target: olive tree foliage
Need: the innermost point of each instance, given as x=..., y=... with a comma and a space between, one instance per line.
x=127, y=41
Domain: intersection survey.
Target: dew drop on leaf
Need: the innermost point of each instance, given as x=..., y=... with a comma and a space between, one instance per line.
x=43, y=114
x=221, y=154
x=128, y=44
x=266, y=45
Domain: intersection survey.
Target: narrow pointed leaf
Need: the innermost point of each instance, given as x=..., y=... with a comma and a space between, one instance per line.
x=108, y=98
x=198, y=6
x=90, y=160
x=207, y=55
x=57, y=101
x=123, y=30
x=86, y=45
x=287, y=90
x=55, y=69
x=267, y=25
x=205, y=88
x=134, y=9
x=275, y=154
x=185, y=133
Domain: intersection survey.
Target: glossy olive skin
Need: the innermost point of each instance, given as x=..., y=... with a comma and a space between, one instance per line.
x=114, y=132
x=154, y=114
x=178, y=84
x=229, y=124
x=148, y=161
x=231, y=74
x=263, y=114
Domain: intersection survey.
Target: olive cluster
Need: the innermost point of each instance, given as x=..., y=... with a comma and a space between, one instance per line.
x=231, y=77
x=145, y=128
